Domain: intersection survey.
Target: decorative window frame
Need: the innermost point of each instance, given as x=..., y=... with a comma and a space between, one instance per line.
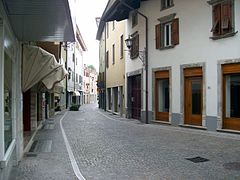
x=160, y=32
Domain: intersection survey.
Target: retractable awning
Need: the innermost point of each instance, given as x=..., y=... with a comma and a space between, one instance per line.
x=76, y=93
x=40, y=65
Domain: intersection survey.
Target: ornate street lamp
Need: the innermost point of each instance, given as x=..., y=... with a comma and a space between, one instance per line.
x=129, y=42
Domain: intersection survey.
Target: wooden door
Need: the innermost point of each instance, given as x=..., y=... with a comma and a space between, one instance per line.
x=231, y=94
x=193, y=96
x=136, y=97
x=162, y=95
x=193, y=101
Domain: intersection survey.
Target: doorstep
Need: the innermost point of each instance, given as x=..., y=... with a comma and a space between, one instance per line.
x=160, y=122
x=193, y=127
x=228, y=131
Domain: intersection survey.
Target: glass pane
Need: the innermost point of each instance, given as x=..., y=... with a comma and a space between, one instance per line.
x=163, y=95
x=232, y=95
x=196, y=97
x=7, y=100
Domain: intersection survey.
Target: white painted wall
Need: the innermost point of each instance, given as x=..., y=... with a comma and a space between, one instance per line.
x=195, y=19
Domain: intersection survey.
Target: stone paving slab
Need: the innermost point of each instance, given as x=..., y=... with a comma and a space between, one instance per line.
x=112, y=148
x=109, y=147
x=48, y=160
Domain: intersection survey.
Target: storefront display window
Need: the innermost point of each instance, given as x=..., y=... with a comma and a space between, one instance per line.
x=7, y=101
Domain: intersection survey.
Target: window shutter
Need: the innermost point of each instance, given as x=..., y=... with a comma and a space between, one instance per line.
x=216, y=19
x=135, y=47
x=175, y=31
x=226, y=16
x=158, y=36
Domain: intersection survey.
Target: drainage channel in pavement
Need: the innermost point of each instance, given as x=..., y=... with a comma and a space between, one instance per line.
x=197, y=159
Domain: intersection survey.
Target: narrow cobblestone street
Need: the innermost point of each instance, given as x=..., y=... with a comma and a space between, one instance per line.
x=106, y=147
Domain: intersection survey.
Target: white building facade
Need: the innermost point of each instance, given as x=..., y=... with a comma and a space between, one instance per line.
x=193, y=62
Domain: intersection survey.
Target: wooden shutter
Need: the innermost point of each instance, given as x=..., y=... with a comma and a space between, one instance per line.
x=226, y=16
x=158, y=36
x=216, y=19
x=175, y=31
x=135, y=47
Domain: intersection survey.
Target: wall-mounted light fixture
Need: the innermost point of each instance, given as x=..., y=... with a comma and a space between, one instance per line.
x=142, y=54
x=69, y=73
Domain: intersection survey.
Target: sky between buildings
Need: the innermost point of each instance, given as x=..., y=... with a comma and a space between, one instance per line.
x=87, y=11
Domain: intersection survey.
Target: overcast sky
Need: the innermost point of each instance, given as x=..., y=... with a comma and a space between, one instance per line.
x=86, y=14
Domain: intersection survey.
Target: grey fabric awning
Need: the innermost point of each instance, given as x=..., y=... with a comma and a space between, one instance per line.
x=40, y=65
x=76, y=93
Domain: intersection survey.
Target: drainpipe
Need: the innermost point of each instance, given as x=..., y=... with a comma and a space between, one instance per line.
x=146, y=53
x=66, y=66
x=105, y=74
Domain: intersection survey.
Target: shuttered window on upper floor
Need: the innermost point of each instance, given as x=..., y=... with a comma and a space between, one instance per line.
x=222, y=18
x=134, y=52
x=167, y=34
x=166, y=4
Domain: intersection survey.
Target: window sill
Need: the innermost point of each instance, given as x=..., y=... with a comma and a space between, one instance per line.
x=5, y=161
x=224, y=36
x=162, y=9
x=167, y=47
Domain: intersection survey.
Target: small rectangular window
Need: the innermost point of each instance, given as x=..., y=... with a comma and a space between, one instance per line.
x=167, y=35
x=113, y=54
x=166, y=4
x=107, y=59
x=113, y=25
x=134, y=19
x=121, y=46
x=107, y=29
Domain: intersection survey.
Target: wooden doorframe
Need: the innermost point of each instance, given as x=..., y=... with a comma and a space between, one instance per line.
x=161, y=75
x=192, y=74
x=229, y=123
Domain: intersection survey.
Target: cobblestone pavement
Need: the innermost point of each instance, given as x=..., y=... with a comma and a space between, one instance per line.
x=107, y=147
x=45, y=165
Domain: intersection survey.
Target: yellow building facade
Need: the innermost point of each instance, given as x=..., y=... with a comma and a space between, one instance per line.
x=115, y=67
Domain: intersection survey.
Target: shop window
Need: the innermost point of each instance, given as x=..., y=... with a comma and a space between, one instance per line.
x=7, y=101
x=222, y=18
x=167, y=34
x=232, y=88
x=162, y=95
x=231, y=94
